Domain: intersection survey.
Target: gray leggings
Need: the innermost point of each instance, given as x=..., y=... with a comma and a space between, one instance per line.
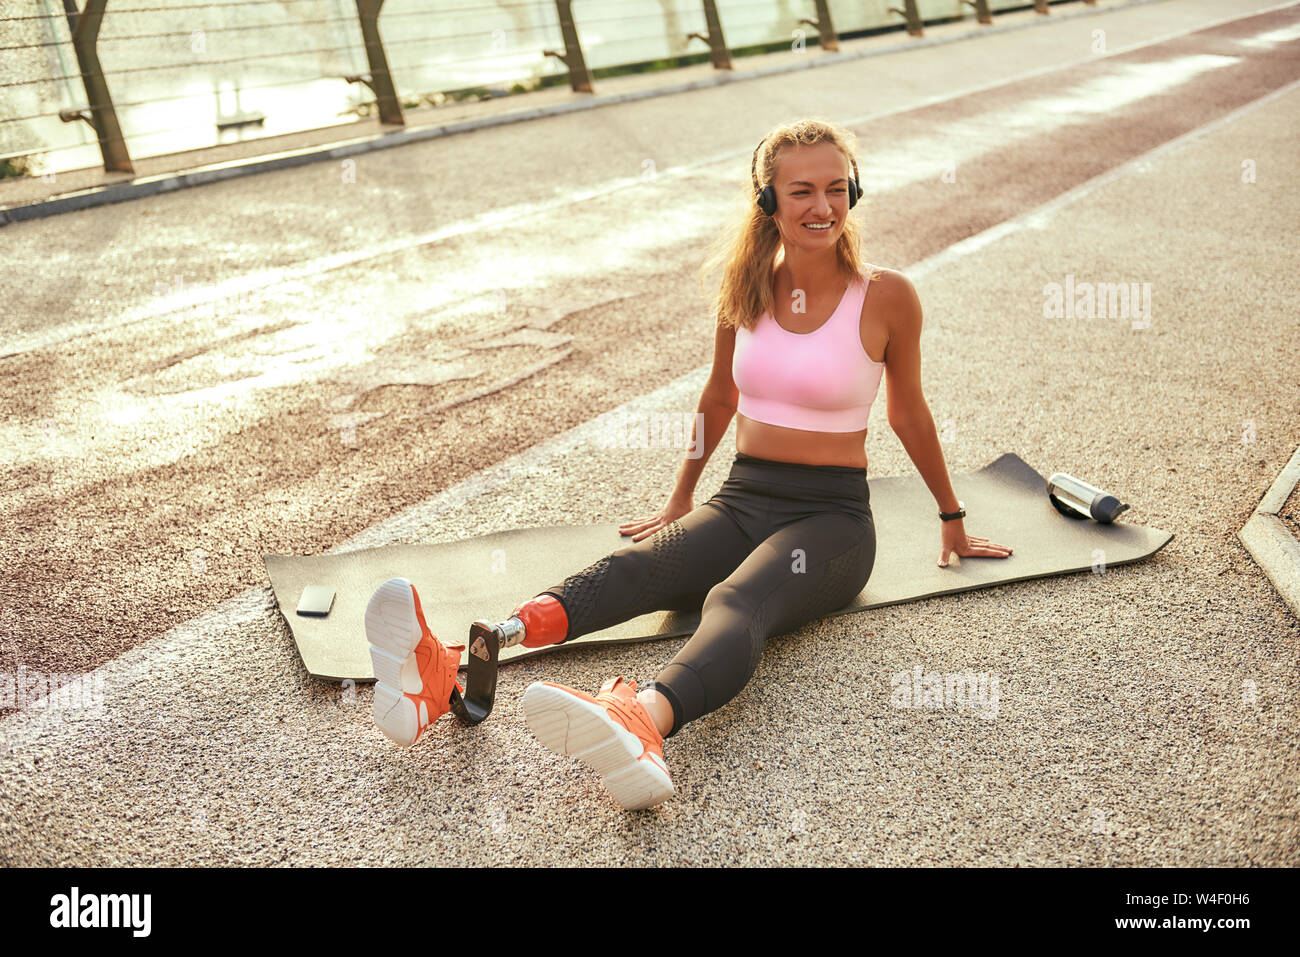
x=781, y=544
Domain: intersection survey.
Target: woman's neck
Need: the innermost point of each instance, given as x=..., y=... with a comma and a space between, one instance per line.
x=821, y=272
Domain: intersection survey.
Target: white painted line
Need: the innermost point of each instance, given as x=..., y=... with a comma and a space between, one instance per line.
x=244, y=285
x=1273, y=37
x=1280, y=490
x=1276, y=551
x=925, y=156
x=1039, y=217
x=258, y=603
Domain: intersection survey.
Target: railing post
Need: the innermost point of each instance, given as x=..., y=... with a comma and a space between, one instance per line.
x=579, y=75
x=913, y=17
x=982, y=13
x=719, y=55
x=825, y=28
x=380, y=79
x=84, y=28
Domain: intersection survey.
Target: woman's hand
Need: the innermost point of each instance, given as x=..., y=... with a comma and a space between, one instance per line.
x=678, y=504
x=955, y=540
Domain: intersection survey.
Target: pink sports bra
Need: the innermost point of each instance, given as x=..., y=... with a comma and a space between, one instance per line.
x=819, y=381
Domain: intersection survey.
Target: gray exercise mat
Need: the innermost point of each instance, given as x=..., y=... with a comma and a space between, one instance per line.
x=487, y=577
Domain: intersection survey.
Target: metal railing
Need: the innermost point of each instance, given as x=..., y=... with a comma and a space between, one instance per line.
x=310, y=64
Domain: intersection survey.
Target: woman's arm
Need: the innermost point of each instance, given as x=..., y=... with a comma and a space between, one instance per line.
x=909, y=416
x=716, y=410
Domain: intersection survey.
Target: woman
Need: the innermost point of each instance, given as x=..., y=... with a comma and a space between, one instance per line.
x=788, y=538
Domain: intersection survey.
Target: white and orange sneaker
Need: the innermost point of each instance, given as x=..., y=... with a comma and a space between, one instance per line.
x=414, y=672
x=611, y=733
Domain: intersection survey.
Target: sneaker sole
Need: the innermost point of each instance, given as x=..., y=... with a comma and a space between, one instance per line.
x=393, y=632
x=569, y=725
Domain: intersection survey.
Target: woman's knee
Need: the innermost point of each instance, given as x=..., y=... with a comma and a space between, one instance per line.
x=733, y=621
x=728, y=595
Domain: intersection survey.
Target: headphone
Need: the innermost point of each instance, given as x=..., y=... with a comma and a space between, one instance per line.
x=766, y=197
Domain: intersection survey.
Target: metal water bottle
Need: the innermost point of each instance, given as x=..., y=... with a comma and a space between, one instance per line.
x=1077, y=499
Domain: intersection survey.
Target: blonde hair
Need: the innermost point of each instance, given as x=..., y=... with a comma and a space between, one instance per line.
x=747, y=246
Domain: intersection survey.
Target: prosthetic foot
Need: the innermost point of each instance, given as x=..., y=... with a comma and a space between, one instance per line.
x=535, y=623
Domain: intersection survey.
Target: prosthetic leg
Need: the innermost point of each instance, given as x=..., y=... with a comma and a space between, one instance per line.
x=537, y=622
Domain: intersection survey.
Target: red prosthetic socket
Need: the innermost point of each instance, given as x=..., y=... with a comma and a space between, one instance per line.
x=545, y=622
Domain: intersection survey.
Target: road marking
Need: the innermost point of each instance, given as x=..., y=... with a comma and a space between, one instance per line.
x=923, y=157
x=1039, y=217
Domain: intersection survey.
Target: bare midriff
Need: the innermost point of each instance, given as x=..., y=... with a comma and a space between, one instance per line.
x=781, y=444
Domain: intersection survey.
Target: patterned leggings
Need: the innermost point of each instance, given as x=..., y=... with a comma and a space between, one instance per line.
x=781, y=544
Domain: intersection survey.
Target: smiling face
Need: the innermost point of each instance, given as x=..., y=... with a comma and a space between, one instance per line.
x=812, y=187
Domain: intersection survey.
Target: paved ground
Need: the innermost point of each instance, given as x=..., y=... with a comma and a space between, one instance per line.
x=1146, y=715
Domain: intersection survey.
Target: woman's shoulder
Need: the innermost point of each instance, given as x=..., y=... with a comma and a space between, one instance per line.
x=881, y=274
x=889, y=284
x=888, y=308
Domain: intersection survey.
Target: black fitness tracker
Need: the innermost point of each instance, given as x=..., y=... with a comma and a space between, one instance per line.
x=953, y=516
